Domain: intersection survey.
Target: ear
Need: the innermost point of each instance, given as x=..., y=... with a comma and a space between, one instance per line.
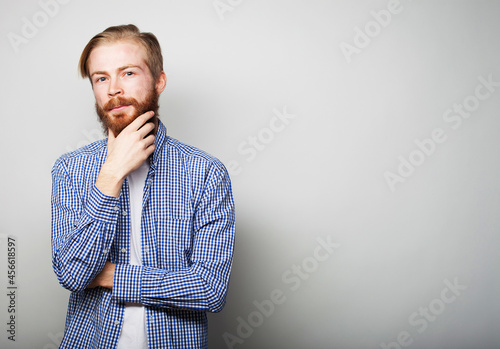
x=161, y=83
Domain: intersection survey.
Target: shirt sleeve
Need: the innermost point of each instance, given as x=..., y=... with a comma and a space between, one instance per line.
x=83, y=228
x=202, y=286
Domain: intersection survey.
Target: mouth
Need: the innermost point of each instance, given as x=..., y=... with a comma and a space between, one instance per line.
x=119, y=107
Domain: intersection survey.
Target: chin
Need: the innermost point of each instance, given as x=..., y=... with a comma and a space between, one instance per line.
x=118, y=122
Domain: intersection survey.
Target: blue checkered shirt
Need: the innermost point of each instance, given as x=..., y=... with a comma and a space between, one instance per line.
x=187, y=245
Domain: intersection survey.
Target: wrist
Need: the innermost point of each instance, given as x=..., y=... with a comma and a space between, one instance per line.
x=109, y=181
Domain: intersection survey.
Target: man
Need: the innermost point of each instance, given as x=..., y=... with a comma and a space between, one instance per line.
x=142, y=224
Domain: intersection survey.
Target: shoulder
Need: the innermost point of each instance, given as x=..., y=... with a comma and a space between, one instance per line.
x=189, y=152
x=83, y=156
x=195, y=159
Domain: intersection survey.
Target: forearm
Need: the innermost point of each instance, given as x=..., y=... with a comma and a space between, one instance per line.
x=194, y=288
x=81, y=242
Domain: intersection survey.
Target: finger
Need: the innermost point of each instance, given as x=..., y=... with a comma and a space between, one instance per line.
x=149, y=140
x=141, y=120
x=150, y=149
x=146, y=129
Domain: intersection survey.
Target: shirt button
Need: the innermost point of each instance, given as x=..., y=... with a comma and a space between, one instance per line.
x=124, y=213
x=123, y=250
x=105, y=251
x=116, y=208
x=117, y=322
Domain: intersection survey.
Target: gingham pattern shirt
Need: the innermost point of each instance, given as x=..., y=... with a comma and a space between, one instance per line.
x=187, y=245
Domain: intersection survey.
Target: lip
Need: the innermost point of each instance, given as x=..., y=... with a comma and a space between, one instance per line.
x=120, y=107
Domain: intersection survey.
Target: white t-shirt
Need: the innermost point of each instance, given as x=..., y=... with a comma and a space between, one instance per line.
x=134, y=334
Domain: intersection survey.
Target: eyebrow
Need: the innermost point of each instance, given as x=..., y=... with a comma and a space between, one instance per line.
x=101, y=72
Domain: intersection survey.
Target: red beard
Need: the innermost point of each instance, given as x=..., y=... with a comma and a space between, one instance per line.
x=119, y=121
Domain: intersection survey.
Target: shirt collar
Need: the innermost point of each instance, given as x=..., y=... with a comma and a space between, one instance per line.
x=160, y=143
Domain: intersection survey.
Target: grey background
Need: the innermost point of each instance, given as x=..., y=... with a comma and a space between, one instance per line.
x=320, y=177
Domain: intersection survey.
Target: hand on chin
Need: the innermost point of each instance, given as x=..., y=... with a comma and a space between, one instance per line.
x=119, y=120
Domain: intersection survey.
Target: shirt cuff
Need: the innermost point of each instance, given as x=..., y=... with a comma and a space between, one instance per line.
x=127, y=283
x=101, y=207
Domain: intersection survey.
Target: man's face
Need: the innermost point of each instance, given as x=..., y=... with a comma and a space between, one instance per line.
x=122, y=83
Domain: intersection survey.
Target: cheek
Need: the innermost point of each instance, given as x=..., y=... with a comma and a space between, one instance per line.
x=144, y=88
x=140, y=94
x=99, y=98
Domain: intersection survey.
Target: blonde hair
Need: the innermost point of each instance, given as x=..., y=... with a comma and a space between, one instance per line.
x=154, y=58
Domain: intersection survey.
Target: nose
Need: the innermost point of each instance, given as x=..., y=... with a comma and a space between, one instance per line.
x=114, y=88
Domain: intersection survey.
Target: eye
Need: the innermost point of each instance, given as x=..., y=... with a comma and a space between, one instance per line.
x=129, y=73
x=100, y=79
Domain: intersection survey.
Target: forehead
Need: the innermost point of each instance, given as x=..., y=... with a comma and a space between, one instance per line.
x=111, y=56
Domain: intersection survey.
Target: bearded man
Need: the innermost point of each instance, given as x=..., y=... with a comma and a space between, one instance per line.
x=142, y=224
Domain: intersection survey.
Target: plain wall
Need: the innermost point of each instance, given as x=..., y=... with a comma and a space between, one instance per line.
x=363, y=142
